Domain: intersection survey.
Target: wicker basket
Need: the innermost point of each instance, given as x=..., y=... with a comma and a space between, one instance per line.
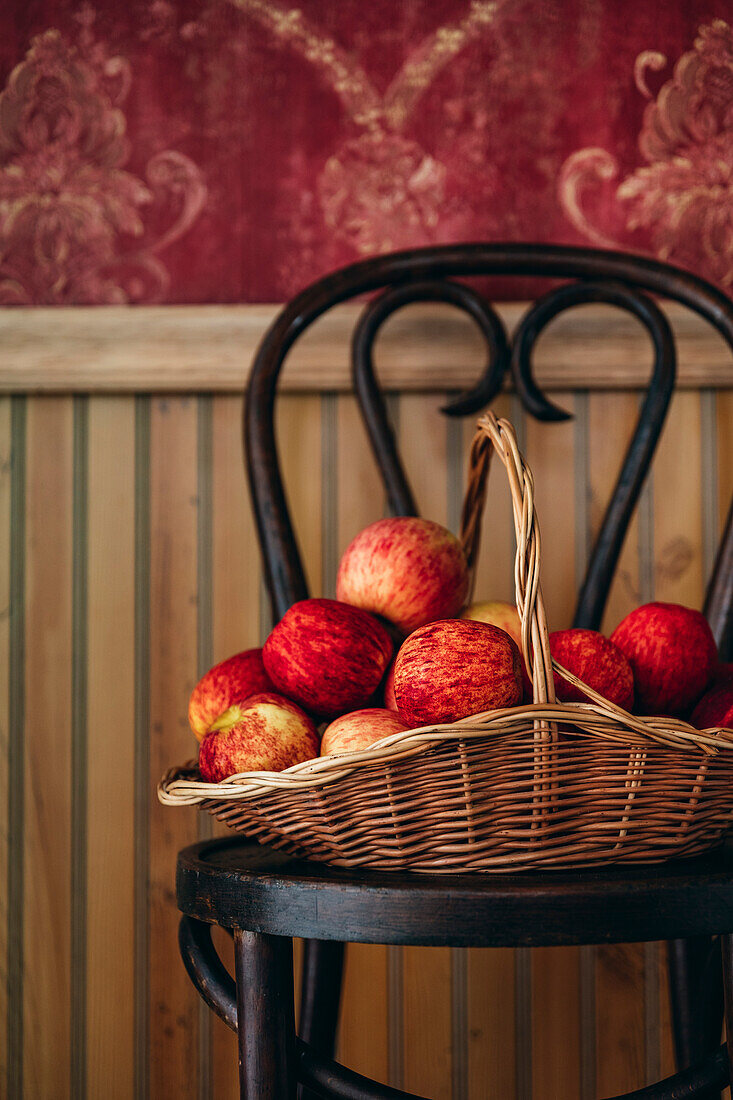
x=540, y=785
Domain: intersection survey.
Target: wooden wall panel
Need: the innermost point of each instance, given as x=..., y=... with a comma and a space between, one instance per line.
x=6, y=444
x=47, y=853
x=235, y=625
x=441, y=1023
x=174, y=1008
x=300, y=442
x=110, y=756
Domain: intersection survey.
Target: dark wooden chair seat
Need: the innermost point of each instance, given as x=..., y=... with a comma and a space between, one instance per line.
x=266, y=898
x=241, y=884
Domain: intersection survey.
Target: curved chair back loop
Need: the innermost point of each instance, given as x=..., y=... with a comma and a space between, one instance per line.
x=428, y=274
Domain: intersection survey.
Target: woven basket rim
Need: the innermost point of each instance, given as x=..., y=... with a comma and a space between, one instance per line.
x=593, y=719
x=301, y=809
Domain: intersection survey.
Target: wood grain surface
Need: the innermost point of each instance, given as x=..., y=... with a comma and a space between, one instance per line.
x=110, y=755
x=436, y=1021
x=424, y=347
x=173, y=1005
x=235, y=625
x=6, y=446
x=47, y=853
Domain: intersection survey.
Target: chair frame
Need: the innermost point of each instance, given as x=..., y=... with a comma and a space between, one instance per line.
x=429, y=274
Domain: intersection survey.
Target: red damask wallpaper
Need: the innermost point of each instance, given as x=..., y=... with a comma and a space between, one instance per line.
x=233, y=150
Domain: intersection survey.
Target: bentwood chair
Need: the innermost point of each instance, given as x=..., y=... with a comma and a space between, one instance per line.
x=266, y=898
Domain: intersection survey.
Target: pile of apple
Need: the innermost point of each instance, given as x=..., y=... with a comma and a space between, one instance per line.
x=402, y=586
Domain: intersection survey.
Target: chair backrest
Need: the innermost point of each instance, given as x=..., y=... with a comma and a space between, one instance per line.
x=428, y=274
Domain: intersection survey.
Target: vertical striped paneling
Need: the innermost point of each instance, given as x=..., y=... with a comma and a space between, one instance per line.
x=110, y=749
x=235, y=597
x=47, y=865
x=365, y=1016
x=16, y=750
x=174, y=1010
x=619, y=977
x=204, y=650
x=300, y=442
x=128, y=562
x=678, y=508
x=427, y=971
x=555, y=971
x=5, y=505
x=142, y=743
x=79, y=779
x=490, y=1007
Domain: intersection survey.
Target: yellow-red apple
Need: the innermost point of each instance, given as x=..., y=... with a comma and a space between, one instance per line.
x=454, y=668
x=360, y=729
x=672, y=654
x=506, y=617
x=264, y=733
x=410, y=571
x=328, y=656
x=497, y=613
x=229, y=682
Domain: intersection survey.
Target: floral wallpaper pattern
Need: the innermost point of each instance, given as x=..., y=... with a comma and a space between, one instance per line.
x=233, y=150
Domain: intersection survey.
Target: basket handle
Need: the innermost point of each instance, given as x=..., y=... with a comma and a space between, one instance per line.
x=499, y=435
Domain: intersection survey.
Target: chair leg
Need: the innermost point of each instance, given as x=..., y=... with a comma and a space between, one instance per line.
x=323, y=965
x=266, y=1018
x=696, y=993
x=726, y=946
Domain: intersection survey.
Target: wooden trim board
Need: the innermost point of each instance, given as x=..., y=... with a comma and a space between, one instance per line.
x=186, y=349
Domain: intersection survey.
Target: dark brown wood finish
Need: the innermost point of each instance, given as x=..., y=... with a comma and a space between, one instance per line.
x=264, y=974
x=271, y=1058
x=241, y=884
x=696, y=992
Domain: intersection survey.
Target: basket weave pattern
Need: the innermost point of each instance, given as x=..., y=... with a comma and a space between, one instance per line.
x=541, y=785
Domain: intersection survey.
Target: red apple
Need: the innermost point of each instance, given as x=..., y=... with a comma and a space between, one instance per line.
x=597, y=662
x=389, y=700
x=264, y=733
x=229, y=682
x=360, y=729
x=714, y=709
x=411, y=571
x=672, y=654
x=328, y=656
x=454, y=668
x=506, y=617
